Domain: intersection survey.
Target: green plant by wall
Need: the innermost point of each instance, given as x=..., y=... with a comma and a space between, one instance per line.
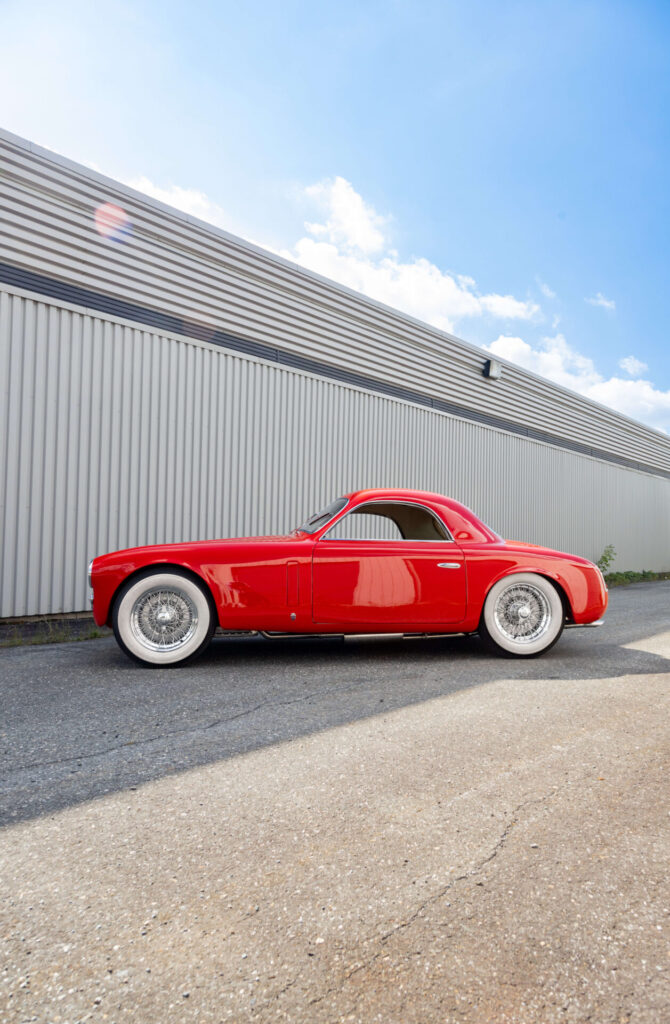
x=606, y=559
x=620, y=579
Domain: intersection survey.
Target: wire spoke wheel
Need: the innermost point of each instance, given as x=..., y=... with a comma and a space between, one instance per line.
x=163, y=620
x=164, y=617
x=523, y=615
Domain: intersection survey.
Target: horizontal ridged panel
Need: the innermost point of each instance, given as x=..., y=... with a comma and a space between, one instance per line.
x=184, y=268
x=112, y=436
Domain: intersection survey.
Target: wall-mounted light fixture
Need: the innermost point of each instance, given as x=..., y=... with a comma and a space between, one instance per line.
x=492, y=369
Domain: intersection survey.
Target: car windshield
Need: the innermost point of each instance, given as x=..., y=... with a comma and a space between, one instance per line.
x=320, y=519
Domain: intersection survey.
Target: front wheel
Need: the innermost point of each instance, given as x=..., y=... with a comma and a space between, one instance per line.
x=523, y=615
x=163, y=618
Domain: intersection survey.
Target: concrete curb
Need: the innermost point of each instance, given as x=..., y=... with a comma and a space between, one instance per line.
x=50, y=629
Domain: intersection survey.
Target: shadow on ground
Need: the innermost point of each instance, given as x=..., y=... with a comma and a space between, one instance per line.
x=80, y=720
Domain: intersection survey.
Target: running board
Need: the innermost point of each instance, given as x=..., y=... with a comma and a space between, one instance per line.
x=355, y=636
x=232, y=633
x=298, y=636
x=585, y=625
x=373, y=636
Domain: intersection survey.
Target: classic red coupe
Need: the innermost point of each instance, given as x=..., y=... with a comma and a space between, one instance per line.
x=376, y=561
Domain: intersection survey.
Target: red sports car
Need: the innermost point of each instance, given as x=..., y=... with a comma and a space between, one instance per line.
x=376, y=561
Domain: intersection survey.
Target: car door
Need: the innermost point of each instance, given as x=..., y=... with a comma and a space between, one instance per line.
x=403, y=583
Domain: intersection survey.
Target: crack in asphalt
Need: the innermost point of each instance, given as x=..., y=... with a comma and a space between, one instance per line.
x=436, y=897
x=172, y=732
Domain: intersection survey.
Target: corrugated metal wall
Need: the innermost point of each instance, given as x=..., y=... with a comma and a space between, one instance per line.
x=176, y=264
x=112, y=436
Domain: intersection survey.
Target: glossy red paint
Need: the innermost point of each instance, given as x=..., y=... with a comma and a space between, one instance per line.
x=305, y=583
x=369, y=583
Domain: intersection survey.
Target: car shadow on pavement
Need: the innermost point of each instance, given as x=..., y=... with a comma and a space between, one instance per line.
x=81, y=720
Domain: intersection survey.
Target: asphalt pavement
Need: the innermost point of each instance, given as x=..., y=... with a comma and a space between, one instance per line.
x=307, y=830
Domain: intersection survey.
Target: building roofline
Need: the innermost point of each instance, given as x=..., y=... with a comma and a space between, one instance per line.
x=273, y=257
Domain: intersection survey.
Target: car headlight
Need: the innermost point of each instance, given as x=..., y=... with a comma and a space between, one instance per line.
x=90, y=582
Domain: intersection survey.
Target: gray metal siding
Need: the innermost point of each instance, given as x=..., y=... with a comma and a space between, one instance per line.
x=112, y=436
x=185, y=268
x=96, y=302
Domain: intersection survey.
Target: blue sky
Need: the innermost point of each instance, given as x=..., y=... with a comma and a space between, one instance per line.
x=499, y=169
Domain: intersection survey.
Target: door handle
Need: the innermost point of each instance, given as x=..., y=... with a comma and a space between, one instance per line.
x=448, y=565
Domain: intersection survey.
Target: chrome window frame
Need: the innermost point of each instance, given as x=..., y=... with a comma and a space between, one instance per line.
x=449, y=539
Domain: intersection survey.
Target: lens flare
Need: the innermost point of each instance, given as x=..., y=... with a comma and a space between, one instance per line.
x=112, y=222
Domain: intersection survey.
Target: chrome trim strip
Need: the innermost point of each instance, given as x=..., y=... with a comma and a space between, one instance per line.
x=585, y=625
x=349, y=636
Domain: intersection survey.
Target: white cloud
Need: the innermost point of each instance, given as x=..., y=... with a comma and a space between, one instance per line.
x=555, y=359
x=636, y=398
x=600, y=300
x=188, y=200
x=506, y=307
x=351, y=223
x=548, y=292
x=633, y=366
x=351, y=245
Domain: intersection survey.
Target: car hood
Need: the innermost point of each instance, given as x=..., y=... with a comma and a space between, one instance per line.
x=150, y=551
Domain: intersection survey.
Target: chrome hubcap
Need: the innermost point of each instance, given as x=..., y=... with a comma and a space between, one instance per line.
x=522, y=613
x=163, y=620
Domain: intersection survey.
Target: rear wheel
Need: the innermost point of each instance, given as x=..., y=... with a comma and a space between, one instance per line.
x=163, y=618
x=523, y=615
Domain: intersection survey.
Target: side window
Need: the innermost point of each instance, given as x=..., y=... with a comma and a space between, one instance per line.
x=388, y=521
x=364, y=526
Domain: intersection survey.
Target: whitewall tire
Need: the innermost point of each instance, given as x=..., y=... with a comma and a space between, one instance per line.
x=523, y=615
x=163, y=618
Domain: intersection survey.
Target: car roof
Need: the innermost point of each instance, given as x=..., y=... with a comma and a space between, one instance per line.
x=427, y=497
x=375, y=493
